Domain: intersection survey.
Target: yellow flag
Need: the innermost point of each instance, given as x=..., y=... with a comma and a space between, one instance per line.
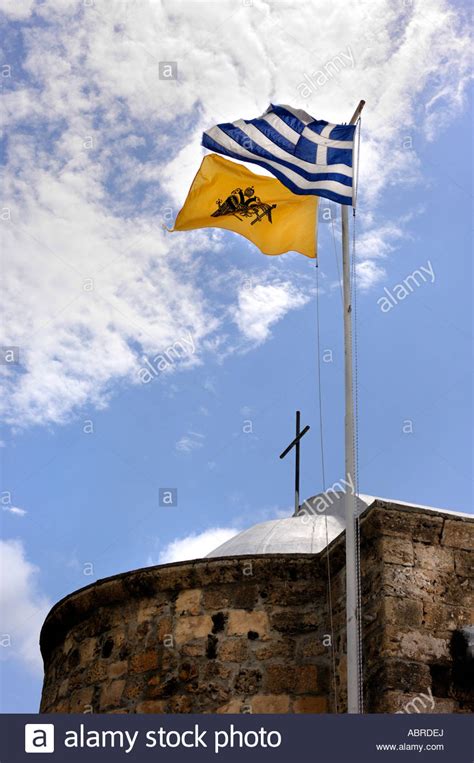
x=225, y=194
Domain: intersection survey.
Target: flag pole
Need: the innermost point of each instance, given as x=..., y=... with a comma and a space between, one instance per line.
x=354, y=677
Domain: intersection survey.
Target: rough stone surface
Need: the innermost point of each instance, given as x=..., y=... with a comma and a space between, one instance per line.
x=458, y=534
x=253, y=635
x=271, y=703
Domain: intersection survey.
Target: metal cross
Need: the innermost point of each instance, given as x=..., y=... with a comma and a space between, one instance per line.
x=296, y=444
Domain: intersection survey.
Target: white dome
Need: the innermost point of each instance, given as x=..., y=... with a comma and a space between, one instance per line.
x=307, y=533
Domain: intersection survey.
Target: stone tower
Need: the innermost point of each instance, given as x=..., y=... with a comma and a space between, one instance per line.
x=249, y=629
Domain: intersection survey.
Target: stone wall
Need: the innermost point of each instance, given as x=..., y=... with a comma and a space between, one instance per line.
x=220, y=635
x=245, y=634
x=420, y=565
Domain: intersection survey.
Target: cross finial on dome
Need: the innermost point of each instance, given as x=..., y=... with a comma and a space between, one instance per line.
x=296, y=444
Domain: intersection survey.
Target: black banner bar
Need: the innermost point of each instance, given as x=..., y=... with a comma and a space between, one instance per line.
x=249, y=738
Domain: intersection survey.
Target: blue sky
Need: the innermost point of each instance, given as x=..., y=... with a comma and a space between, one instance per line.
x=93, y=285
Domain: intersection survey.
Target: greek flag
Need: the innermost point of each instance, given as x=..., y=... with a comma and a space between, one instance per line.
x=309, y=156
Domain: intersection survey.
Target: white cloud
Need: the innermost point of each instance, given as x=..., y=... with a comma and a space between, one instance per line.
x=18, y=10
x=81, y=213
x=189, y=442
x=195, y=546
x=262, y=305
x=76, y=317
x=369, y=273
x=380, y=241
x=15, y=510
x=374, y=245
x=23, y=607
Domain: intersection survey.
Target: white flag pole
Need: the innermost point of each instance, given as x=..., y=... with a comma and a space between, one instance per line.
x=354, y=677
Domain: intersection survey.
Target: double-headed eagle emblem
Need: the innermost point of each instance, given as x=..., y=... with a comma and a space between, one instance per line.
x=242, y=204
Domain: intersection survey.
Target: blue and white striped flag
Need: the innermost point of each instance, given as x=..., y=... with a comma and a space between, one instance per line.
x=309, y=156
